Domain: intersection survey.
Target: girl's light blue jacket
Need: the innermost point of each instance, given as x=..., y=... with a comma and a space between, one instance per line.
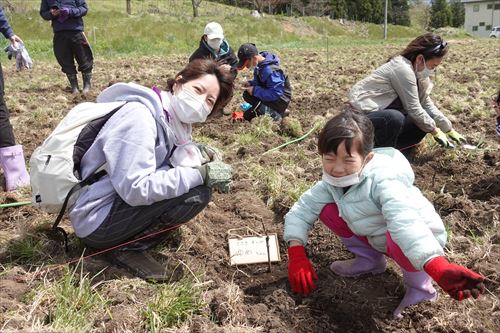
x=384, y=200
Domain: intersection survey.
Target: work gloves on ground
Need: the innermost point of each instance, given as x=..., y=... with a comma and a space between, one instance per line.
x=216, y=175
x=459, y=282
x=301, y=273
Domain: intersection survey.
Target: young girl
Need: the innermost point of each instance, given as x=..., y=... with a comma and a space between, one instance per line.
x=368, y=199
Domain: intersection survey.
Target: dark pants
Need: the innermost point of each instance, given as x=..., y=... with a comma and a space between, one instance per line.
x=395, y=129
x=6, y=134
x=69, y=45
x=125, y=223
x=255, y=111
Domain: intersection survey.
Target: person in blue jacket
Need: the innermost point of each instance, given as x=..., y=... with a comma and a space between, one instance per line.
x=269, y=92
x=69, y=41
x=367, y=197
x=11, y=155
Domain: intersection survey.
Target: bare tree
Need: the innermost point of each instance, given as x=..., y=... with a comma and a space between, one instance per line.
x=196, y=4
x=271, y=4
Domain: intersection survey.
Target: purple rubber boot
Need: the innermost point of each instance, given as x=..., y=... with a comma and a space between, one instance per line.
x=367, y=260
x=418, y=289
x=14, y=167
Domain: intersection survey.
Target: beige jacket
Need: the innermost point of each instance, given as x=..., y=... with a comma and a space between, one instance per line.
x=394, y=79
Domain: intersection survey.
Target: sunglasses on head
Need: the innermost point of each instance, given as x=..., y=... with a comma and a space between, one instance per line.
x=438, y=48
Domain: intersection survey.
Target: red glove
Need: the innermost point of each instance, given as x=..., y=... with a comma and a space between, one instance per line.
x=459, y=282
x=300, y=271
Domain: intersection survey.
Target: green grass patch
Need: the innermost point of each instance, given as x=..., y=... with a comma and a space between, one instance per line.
x=168, y=27
x=173, y=304
x=73, y=302
x=27, y=250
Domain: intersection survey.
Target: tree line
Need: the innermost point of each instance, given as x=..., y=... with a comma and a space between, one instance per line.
x=437, y=14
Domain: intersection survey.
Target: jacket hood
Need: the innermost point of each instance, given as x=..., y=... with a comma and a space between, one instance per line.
x=270, y=59
x=389, y=163
x=132, y=92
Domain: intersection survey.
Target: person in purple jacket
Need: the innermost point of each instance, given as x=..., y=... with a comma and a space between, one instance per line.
x=69, y=41
x=269, y=92
x=11, y=155
x=149, y=188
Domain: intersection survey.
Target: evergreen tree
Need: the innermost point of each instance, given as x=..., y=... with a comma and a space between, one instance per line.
x=378, y=7
x=440, y=14
x=400, y=12
x=364, y=10
x=457, y=13
x=339, y=9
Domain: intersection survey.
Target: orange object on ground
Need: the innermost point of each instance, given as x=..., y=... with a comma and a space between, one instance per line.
x=237, y=116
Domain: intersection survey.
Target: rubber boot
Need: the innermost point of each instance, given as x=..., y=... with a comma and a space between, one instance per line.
x=367, y=259
x=87, y=78
x=418, y=289
x=73, y=81
x=14, y=167
x=266, y=110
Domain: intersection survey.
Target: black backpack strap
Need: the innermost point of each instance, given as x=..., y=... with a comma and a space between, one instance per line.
x=88, y=181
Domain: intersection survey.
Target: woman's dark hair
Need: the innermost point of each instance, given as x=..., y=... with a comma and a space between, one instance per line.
x=199, y=67
x=347, y=126
x=429, y=45
x=498, y=99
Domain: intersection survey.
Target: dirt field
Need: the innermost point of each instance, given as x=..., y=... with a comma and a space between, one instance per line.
x=464, y=186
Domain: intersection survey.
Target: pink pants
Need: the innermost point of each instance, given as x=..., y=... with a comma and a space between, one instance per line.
x=330, y=217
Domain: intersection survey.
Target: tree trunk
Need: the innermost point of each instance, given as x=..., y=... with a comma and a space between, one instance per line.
x=195, y=4
x=129, y=7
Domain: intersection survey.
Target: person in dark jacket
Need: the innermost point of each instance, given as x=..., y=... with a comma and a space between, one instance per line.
x=11, y=155
x=214, y=46
x=269, y=92
x=70, y=41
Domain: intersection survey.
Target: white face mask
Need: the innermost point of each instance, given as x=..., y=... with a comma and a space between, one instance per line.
x=189, y=107
x=215, y=43
x=345, y=181
x=426, y=72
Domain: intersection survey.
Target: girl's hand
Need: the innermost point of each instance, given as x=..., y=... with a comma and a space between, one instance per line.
x=459, y=282
x=300, y=271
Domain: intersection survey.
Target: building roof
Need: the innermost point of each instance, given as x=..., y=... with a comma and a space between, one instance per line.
x=466, y=1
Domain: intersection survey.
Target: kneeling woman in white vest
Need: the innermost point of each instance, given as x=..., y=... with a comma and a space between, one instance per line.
x=156, y=177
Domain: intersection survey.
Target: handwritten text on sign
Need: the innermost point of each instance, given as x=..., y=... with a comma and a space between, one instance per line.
x=253, y=250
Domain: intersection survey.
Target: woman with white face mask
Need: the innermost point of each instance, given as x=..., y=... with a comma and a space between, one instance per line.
x=214, y=46
x=396, y=97
x=155, y=179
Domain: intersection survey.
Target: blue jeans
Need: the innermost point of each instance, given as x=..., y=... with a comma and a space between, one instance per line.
x=395, y=129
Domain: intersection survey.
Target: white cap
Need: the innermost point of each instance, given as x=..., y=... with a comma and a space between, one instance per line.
x=214, y=30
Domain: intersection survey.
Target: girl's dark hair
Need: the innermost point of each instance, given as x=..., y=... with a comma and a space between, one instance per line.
x=347, y=126
x=498, y=98
x=429, y=45
x=199, y=67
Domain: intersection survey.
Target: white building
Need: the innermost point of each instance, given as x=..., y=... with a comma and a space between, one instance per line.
x=481, y=16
